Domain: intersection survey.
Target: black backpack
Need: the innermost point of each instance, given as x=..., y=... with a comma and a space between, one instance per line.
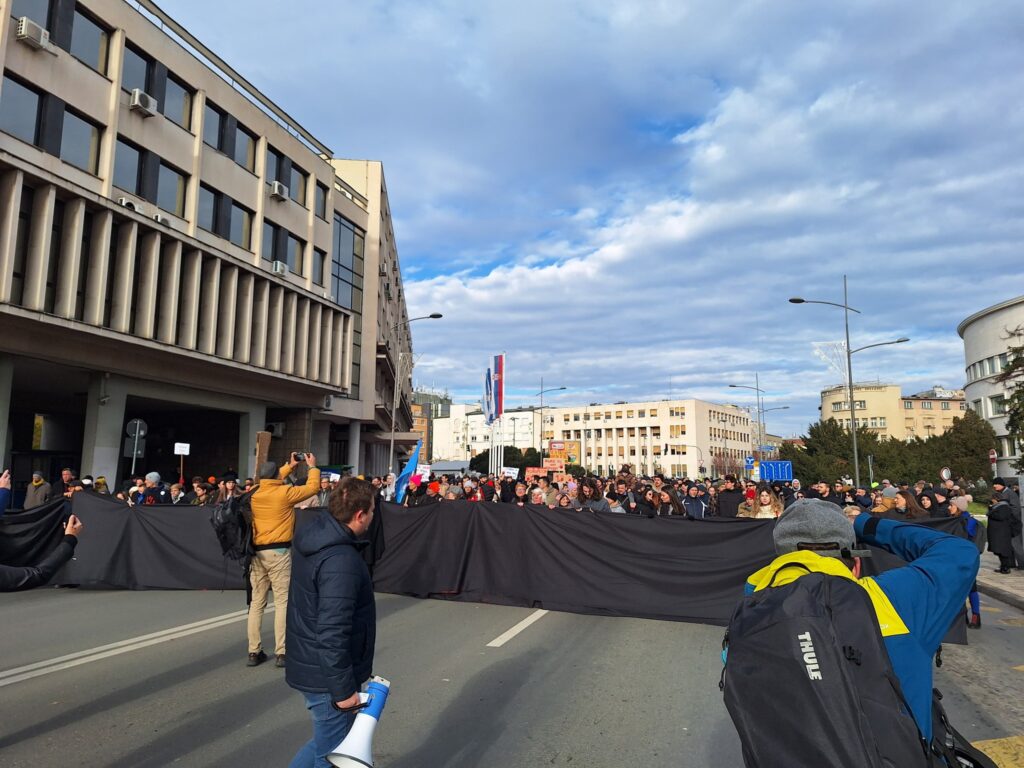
x=808, y=681
x=232, y=523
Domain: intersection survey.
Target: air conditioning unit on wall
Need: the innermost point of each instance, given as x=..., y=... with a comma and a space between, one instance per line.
x=278, y=191
x=143, y=103
x=33, y=35
x=279, y=268
x=276, y=428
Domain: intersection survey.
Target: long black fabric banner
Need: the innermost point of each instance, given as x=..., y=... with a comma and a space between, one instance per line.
x=607, y=564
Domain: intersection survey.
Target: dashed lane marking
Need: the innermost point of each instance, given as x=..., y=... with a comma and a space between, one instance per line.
x=503, y=638
x=1020, y=668
x=987, y=609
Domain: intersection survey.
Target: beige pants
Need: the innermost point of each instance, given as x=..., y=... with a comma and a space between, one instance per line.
x=271, y=570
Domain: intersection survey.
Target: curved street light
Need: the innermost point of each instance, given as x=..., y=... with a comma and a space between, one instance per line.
x=847, y=309
x=398, y=378
x=541, y=396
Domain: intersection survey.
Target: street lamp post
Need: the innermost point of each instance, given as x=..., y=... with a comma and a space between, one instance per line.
x=760, y=409
x=541, y=395
x=847, y=309
x=398, y=379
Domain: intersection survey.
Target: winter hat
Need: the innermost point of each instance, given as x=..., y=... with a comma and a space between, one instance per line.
x=434, y=487
x=37, y=474
x=814, y=521
x=890, y=492
x=961, y=503
x=998, y=481
x=153, y=477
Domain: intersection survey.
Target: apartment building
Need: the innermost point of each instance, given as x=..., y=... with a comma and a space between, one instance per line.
x=175, y=247
x=885, y=410
x=675, y=437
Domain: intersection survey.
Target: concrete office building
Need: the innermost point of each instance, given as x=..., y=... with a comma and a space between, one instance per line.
x=175, y=247
x=988, y=336
x=675, y=437
x=886, y=411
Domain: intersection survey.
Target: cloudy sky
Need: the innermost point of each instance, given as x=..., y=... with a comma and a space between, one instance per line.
x=622, y=195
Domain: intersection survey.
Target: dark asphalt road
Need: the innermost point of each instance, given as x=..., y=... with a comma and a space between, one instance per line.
x=566, y=691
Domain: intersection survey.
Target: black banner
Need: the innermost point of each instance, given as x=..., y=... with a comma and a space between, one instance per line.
x=606, y=564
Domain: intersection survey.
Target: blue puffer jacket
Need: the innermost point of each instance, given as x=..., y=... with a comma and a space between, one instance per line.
x=331, y=612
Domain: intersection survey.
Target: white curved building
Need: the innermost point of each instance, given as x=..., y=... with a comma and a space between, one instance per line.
x=988, y=336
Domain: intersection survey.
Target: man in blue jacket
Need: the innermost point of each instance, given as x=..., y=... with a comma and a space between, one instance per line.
x=331, y=617
x=915, y=604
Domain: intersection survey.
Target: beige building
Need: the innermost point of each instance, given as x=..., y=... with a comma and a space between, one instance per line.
x=175, y=247
x=674, y=437
x=883, y=409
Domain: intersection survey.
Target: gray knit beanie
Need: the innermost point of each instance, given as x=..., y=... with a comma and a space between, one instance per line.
x=813, y=521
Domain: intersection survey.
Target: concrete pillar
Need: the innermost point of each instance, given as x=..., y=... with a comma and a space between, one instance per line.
x=188, y=314
x=275, y=327
x=339, y=345
x=226, y=311
x=147, y=285
x=37, y=261
x=354, y=447
x=326, y=345
x=99, y=268
x=103, y=440
x=320, y=441
x=6, y=382
x=10, y=204
x=249, y=423
x=70, y=258
x=124, y=277
x=302, y=333
x=208, y=299
x=243, y=316
x=315, y=335
x=260, y=316
x=170, y=288
x=288, y=333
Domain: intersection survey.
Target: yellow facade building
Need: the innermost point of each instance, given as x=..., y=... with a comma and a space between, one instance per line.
x=885, y=410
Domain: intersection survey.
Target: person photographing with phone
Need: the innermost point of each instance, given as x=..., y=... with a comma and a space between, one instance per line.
x=273, y=523
x=15, y=579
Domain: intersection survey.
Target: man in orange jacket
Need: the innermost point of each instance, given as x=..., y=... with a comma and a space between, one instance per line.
x=273, y=521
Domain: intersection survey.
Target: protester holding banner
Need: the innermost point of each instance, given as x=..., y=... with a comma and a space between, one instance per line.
x=14, y=579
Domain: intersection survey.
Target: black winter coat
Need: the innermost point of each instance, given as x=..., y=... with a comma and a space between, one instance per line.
x=729, y=502
x=332, y=620
x=14, y=579
x=1002, y=527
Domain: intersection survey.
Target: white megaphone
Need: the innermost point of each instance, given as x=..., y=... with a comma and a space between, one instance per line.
x=357, y=748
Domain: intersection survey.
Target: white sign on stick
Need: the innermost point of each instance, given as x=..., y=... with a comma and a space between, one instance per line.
x=181, y=449
x=509, y=472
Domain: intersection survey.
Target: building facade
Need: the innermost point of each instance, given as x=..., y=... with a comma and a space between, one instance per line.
x=175, y=248
x=674, y=437
x=886, y=411
x=988, y=336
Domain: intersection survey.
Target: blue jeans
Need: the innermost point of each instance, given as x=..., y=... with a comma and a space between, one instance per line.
x=329, y=727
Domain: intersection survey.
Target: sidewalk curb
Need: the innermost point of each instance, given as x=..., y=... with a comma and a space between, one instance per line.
x=1005, y=595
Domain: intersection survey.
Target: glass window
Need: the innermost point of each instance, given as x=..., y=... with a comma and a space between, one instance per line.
x=318, y=266
x=126, y=167
x=211, y=125
x=321, y=200
x=241, y=226
x=926, y=405
x=269, y=238
x=295, y=248
x=89, y=42
x=136, y=70
x=178, y=103
x=945, y=405
x=37, y=10
x=79, y=142
x=207, y=208
x=19, y=110
x=245, y=149
x=908, y=405
x=170, y=190
x=273, y=169
x=297, y=185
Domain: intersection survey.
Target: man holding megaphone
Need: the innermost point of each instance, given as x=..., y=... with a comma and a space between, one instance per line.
x=331, y=617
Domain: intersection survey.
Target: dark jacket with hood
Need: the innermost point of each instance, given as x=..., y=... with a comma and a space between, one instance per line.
x=695, y=507
x=1002, y=527
x=331, y=612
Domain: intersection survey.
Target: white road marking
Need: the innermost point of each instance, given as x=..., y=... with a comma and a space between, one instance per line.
x=501, y=639
x=39, y=668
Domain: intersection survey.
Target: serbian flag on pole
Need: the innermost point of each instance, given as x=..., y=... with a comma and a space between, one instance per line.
x=402, y=483
x=498, y=387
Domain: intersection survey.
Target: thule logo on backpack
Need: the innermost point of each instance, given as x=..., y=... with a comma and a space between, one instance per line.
x=810, y=657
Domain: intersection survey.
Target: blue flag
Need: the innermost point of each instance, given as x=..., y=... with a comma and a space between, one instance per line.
x=403, y=479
